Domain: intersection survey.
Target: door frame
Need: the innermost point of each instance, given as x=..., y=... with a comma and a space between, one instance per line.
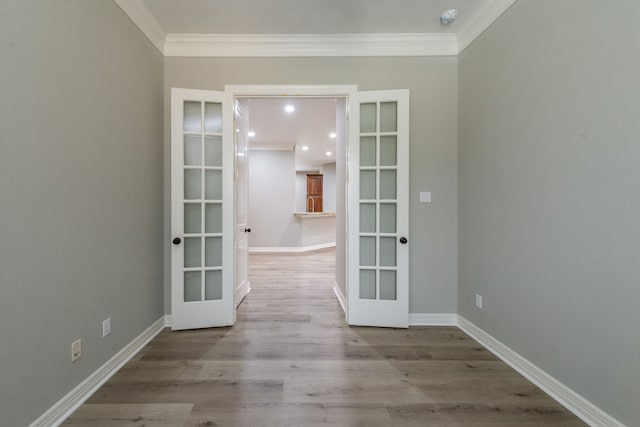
x=307, y=91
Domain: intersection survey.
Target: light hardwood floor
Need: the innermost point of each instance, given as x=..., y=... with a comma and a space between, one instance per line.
x=291, y=360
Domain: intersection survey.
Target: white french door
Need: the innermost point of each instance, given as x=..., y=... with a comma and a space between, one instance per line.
x=242, y=228
x=378, y=219
x=202, y=224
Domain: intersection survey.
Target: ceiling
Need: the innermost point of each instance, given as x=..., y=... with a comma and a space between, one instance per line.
x=309, y=125
x=306, y=16
x=311, y=27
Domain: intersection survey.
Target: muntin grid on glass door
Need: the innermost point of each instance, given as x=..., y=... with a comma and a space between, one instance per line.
x=378, y=200
x=202, y=136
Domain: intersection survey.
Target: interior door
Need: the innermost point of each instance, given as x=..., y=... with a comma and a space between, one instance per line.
x=378, y=223
x=202, y=224
x=242, y=285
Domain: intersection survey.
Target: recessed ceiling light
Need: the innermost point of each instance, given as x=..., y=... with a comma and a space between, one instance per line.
x=289, y=109
x=305, y=148
x=251, y=134
x=329, y=153
x=449, y=16
x=332, y=135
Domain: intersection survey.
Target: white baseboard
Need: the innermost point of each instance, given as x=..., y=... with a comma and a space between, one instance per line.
x=581, y=407
x=289, y=249
x=341, y=299
x=433, y=319
x=60, y=411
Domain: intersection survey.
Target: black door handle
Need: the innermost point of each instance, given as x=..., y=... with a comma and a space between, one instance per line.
x=403, y=240
x=247, y=230
x=177, y=241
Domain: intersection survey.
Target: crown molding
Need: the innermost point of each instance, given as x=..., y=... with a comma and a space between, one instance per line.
x=291, y=45
x=481, y=19
x=146, y=22
x=288, y=45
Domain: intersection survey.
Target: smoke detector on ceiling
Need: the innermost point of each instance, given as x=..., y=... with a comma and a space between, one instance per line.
x=449, y=16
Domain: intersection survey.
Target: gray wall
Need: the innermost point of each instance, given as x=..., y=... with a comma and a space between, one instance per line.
x=549, y=192
x=433, y=84
x=272, y=175
x=341, y=195
x=329, y=187
x=81, y=194
x=301, y=191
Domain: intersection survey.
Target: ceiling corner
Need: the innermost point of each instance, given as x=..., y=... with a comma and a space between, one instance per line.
x=146, y=22
x=481, y=19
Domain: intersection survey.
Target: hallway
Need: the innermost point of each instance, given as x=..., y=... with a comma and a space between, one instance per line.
x=291, y=360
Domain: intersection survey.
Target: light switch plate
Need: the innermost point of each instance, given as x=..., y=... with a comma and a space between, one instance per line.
x=425, y=197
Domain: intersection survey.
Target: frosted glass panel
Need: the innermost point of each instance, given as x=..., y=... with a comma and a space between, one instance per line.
x=192, y=252
x=213, y=185
x=388, y=251
x=388, y=150
x=387, y=217
x=388, y=117
x=213, y=252
x=192, y=184
x=388, y=184
x=192, y=286
x=213, y=218
x=212, y=285
x=192, y=116
x=367, y=118
x=367, y=218
x=368, y=151
x=213, y=151
x=367, y=284
x=213, y=117
x=192, y=218
x=388, y=285
x=367, y=251
x=367, y=185
x=192, y=150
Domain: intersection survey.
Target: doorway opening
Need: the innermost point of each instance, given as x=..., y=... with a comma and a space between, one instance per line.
x=295, y=183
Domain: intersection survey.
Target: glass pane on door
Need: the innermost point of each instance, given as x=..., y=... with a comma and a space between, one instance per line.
x=387, y=285
x=202, y=204
x=192, y=286
x=192, y=218
x=378, y=205
x=213, y=285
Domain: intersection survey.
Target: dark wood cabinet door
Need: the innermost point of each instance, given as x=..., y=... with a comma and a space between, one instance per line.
x=314, y=193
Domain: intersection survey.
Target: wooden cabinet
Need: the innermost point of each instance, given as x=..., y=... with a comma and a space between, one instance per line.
x=314, y=193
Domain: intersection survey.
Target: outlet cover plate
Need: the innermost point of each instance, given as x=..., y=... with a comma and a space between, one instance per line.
x=76, y=350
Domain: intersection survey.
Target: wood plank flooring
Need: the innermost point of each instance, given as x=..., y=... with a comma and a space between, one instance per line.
x=291, y=360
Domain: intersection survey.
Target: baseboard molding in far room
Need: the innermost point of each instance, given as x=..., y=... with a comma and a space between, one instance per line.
x=433, y=319
x=61, y=410
x=341, y=299
x=289, y=249
x=578, y=405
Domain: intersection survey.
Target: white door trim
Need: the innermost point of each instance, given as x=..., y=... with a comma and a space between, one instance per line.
x=308, y=91
x=291, y=90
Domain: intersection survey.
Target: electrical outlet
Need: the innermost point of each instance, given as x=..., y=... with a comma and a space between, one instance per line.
x=106, y=327
x=76, y=350
x=479, y=301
